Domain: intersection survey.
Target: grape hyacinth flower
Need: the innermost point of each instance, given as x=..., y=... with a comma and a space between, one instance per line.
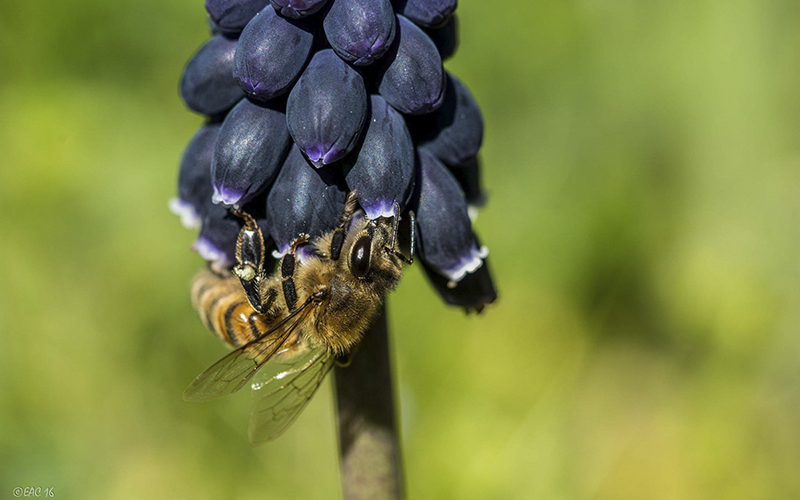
x=307, y=100
x=312, y=106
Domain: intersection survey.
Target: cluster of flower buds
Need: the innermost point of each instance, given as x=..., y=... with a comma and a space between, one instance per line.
x=309, y=99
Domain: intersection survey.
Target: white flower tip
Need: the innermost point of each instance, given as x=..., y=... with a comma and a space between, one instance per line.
x=190, y=218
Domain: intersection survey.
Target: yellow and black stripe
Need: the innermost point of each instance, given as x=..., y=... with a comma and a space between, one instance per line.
x=222, y=306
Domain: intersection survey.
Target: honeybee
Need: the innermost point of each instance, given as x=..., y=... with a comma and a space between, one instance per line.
x=299, y=320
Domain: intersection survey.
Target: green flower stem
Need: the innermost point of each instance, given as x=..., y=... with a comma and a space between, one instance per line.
x=369, y=440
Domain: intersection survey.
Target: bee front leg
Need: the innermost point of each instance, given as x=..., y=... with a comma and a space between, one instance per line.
x=288, y=264
x=337, y=240
x=392, y=248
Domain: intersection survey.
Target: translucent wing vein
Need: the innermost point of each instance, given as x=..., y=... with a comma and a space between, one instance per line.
x=232, y=372
x=279, y=400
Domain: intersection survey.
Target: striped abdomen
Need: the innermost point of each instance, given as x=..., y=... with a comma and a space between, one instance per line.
x=223, y=308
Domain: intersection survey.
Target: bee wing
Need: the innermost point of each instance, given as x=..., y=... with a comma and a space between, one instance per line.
x=279, y=399
x=232, y=372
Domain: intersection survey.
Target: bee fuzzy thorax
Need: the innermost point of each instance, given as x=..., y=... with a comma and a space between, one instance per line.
x=350, y=302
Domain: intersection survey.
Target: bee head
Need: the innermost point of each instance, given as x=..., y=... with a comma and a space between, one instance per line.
x=360, y=255
x=373, y=253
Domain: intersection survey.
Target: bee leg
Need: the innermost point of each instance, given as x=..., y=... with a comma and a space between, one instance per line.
x=249, y=243
x=249, y=266
x=341, y=227
x=392, y=249
x=288, y=264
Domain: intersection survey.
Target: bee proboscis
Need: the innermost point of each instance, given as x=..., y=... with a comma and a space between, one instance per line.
x=298, y=320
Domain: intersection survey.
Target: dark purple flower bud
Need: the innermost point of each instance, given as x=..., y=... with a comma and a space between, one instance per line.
x=468, y=175
x=445, y=239
x=428, y=13
x=445, y=38
x=231, y=16
x=207, y=85
x=453, y=133
x=360, y=31
x=213, y=28
x=194, y=178
x=297, y=8
x=252, y=144
x=217, y=240
x=411, y=77
x=327, y=108
x=382, y=169
x=303, y=200
x=473, y=292
x=271, y=54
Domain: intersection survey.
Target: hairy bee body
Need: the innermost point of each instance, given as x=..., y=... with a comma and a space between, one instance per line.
x=225, y=311
x=337, y=323
x=313, y=309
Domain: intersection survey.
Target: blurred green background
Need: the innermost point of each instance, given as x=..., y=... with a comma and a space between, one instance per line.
x=643, y=161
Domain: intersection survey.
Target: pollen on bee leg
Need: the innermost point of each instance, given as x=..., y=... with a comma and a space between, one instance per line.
x=246, y=272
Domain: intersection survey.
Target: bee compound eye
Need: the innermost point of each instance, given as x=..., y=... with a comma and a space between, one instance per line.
x=359, y=257
x=245, y=272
